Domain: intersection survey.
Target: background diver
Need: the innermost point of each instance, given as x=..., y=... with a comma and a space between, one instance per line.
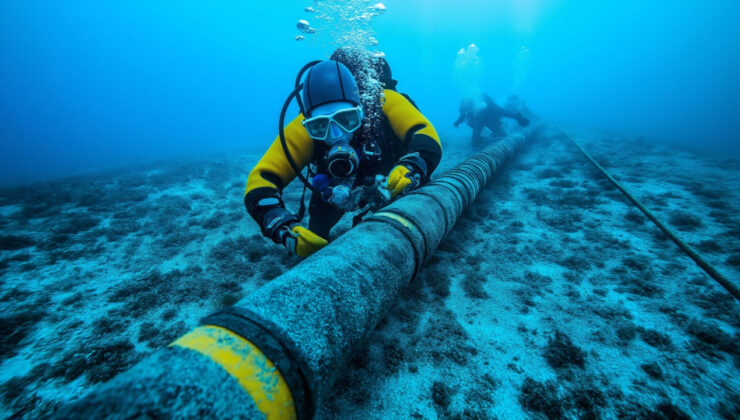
x=482, y=113
x=349, y=161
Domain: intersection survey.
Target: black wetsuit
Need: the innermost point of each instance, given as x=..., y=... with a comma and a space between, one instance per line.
x=324, y=215
x=489, y=117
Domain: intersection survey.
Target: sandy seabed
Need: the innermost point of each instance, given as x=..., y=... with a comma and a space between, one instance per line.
x=553, y=297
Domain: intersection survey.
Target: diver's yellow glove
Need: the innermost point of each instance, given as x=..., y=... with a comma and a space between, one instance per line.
x=406, y=175
x=398, y=180
x=303, y=242
x=282, y=227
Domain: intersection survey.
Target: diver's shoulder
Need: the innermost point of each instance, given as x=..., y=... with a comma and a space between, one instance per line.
x=392, y=98
x=390, y=94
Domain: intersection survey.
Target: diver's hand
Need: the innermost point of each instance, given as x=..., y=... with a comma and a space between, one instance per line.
x=457, y=124
x=400, y=180
x=407, y=174
x=302, y=242
x=282, y=227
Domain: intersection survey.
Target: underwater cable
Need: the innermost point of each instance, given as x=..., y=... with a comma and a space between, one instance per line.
x=278, y=352
x=701, y=262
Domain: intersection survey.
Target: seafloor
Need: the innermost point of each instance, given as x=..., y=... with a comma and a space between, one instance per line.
x=552, y=298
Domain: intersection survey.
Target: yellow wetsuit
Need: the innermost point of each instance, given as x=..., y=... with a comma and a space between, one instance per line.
x=404, y=128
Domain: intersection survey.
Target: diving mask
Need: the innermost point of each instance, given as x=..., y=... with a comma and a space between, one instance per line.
x=347, y=119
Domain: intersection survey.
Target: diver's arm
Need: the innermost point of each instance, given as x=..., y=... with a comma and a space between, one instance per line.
x=460, y=120
x=272, y=173
x=418, y=134
x=521, y=119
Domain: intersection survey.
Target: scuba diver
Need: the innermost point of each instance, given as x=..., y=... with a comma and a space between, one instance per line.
x=484, y=113
x=351, y=167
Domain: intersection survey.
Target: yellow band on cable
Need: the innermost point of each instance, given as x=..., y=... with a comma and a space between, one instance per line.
x=244, y=361
x=395, y=217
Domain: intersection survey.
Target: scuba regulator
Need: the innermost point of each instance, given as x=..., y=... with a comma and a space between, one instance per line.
x=341, y=161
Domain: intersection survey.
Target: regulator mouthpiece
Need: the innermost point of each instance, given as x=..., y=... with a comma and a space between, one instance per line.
x=342, y=161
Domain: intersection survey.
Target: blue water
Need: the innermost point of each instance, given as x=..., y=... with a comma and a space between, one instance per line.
x=89, y=84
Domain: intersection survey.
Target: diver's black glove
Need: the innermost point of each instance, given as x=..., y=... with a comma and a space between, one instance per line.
x=276, y=224
x=283, y=228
